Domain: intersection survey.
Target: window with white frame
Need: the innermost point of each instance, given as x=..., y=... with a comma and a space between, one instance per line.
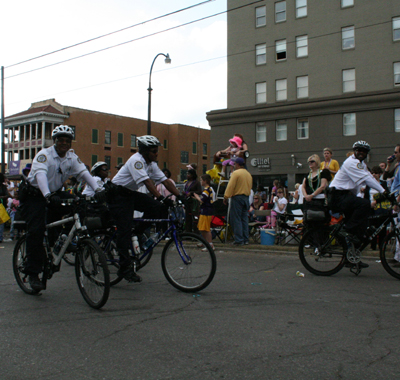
x=280, y=11
x=396, y=28
x=349, y=80
x=280, y=48
x=396, y=72
x=346, y=3
x=397, y=120
x=349, y=124
x=302, y=46
x=302, y=86
x=261, y=132
x=261, y=92
x=281, y=89
x=261, y=16
x=348, y=38
x=302, y=129
x=261, y=54
x=301, y=8
x=281, y=130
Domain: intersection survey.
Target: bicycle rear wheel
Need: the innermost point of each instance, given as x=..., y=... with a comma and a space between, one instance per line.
x=92, y=273
x=320, y=253
x=390, y=245
x=196, y=268
x=19, y=261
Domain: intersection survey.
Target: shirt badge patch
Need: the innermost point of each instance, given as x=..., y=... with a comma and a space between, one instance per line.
x=360, y=165
x=42, y=158
x=138, y=165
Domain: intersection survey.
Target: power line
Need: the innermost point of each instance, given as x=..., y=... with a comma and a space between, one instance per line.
x=135, y=39
x=109, y=34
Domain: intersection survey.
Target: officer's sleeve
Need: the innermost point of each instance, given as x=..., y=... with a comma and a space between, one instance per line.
x=158, y=176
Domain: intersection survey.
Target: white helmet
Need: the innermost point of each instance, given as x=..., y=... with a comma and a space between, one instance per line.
x=62, y=130
x=148, y=141
x=97, y=165
x=362, y=145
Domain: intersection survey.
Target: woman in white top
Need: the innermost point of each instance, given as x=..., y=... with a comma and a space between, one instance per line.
x=280, y=203
x=100, y=173
x=161, y=188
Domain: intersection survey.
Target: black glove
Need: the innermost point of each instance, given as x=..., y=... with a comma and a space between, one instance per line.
x=180, y=198
x=165, y=201
x=100, y=196
x=53, y=200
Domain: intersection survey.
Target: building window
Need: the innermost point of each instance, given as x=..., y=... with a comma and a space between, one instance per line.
x=194, y=147
x=94, y=159
x=107, y=137
x=261, y=132
x=133, y=141
x=184, y=157
x=165, y=165
x=346, y=3
x=261, y=16
x=71, y=126
x=349, y=124
x=261, y=54
x=204, y=168
x=205, y=149
x=183, y=174
x=281, y=130
x=396, y=28
x=397, y=120
x=281, y=89
x=301, y=8
x=301, y=46
x=280, y=47
x=95, y=136
x=396, y=72
x=120, y=139
x=349, y=80
x=302, y=129
x=107, y=160
x=348, y=41
x=280, y=11
x=261, y=92
x=165, y=145
x=302, y=86
x=119, y=160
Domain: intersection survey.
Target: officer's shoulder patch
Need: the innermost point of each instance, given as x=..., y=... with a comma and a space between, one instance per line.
x=360, y=165
x=138, y=165
x=42, y=158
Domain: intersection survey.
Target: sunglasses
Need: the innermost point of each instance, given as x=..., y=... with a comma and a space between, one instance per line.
x=104, y=170
x=311, y=162
x=153, y=151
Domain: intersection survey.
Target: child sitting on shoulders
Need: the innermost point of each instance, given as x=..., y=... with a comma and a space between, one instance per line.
x=232, y=152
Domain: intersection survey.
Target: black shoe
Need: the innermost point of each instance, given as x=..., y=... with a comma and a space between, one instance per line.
x=237, y=244
x=35, y=283
x=246, y=243
x=362, y=265
x=350, y=238
x=129, y=273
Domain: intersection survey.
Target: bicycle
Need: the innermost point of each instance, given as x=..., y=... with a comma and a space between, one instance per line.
x=91, y=268
x=323, y=250
x=184, y=264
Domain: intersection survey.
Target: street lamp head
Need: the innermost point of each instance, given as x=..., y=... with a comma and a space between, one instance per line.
x=167, y=59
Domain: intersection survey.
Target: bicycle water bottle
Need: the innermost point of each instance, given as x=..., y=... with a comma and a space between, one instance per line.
x=135, y=244
x=148, y=243
x=59, y=243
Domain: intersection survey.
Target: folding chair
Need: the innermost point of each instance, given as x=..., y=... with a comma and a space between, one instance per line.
x=290, y=225
x=219, y=222
x=254, y=227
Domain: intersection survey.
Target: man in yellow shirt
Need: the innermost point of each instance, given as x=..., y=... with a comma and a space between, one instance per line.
x=329, y=163
x=238, y=190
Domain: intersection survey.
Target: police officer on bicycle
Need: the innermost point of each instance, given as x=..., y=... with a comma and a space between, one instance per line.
x=51, y=167
x=343, y=190
x=140, y=169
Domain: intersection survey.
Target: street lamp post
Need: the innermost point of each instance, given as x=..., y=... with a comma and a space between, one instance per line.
x=168, y=61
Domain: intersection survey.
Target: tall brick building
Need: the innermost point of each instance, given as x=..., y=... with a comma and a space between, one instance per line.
x=103, y=137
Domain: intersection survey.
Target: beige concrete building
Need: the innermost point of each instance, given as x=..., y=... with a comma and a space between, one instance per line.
x=306, y=74
x=103, y=137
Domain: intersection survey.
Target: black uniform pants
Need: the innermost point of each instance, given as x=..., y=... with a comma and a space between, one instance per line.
x=122, y=208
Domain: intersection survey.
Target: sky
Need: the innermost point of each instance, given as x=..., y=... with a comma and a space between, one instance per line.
x=116, y=80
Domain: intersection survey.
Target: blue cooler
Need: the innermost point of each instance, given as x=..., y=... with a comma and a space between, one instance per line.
x=267, y=237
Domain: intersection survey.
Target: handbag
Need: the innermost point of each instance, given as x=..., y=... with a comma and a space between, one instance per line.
x=4, y=217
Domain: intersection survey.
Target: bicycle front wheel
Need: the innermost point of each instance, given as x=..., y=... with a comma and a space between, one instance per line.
x=322, y=254
x=390, y=246
x=189, y=264
x=92, y=273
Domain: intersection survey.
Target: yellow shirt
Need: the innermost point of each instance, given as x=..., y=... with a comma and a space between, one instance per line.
x=331, y=165
x=240, y=183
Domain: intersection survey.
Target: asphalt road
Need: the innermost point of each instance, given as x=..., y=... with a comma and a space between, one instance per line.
x=257, y=320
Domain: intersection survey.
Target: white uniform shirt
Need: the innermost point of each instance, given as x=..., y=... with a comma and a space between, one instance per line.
x=56, y=169
x=89, y=191
x=135, y=171
x=353, y=175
